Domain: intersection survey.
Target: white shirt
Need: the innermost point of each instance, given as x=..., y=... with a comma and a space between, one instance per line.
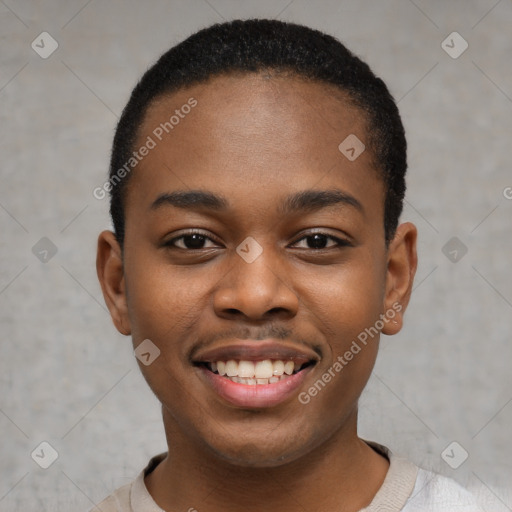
x=406, y=488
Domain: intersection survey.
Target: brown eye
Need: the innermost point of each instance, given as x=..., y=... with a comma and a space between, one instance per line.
x=191, y=241
x=321, y=241
x=317, y=241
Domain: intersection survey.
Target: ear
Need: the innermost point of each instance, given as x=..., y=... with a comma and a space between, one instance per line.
x=109, y=267
x=401, y=268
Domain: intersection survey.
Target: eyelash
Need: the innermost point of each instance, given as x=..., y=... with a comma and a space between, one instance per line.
x=171, y=243
x=339, y=242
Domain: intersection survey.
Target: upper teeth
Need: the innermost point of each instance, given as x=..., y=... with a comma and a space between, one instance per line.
x=255, y=369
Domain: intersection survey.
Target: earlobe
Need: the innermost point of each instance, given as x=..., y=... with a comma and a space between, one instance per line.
x=109, y=267
x=401, y=268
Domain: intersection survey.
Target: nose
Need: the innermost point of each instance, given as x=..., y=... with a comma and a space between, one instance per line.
x=259, y=290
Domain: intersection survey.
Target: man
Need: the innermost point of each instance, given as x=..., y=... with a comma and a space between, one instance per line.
x=257, y=179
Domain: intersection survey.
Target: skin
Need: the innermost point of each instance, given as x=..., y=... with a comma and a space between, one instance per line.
x=254, y=140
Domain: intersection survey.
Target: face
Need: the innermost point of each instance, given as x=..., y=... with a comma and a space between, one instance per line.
x=255, y=248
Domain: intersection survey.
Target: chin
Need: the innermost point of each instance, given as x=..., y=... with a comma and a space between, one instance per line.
x=267, y=453
x=255, y=457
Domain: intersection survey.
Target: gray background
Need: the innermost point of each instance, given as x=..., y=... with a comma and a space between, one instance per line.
x=67, y=377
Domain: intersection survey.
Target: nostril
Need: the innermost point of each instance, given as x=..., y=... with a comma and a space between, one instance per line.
x=276, y=310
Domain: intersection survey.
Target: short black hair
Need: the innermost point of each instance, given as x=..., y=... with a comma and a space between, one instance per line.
x=254, y=45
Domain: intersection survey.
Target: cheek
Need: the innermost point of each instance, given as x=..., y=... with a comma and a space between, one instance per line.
x=345, y=299
x=343, y=305
x=165, y=303
x=348, y=303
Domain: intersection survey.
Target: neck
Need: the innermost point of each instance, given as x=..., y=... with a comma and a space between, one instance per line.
x=344, y=474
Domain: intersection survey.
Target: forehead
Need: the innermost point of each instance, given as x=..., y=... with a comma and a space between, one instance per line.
x=259, y=107
x=251, y=131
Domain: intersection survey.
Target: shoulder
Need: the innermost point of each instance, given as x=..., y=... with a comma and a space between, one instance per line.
x=409, y=488
x=133, y=496
x=118, y=501
x=436, y=493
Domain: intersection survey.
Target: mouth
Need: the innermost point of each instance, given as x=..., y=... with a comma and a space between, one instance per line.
x=255, y=374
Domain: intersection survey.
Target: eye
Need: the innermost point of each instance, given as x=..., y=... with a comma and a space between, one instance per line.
x=191, y=241
x=321, y=241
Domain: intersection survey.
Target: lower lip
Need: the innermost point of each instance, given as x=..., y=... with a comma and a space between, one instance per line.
x=258, y=395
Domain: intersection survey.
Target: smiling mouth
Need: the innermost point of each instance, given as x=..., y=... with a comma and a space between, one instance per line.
x=254, y=373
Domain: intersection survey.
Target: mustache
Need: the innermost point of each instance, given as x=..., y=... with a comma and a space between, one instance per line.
x=249, y=333
x=273, y=331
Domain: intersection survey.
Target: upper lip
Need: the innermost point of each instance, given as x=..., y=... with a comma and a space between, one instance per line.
x=252, y=350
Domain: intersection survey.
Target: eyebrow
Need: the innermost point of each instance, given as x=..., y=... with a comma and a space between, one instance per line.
x=305, y=201
x=193, y=199
x=312, y=200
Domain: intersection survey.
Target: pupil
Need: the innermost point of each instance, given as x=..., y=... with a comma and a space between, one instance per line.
x=317, y=241
x=194, y=241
